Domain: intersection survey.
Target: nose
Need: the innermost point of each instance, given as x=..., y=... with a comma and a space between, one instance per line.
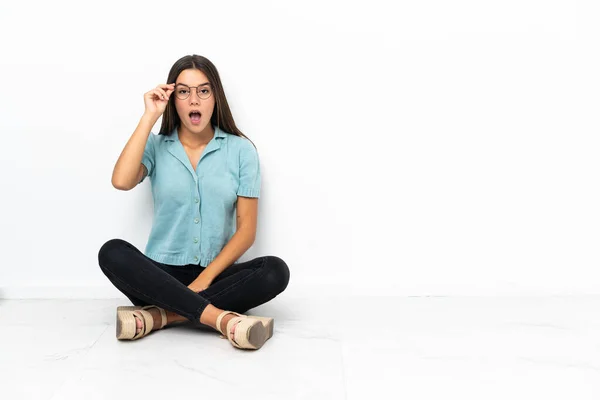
x=194, y=97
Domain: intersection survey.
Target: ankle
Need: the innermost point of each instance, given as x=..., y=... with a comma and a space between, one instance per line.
x=209, y=316
x=156, y=317
x=225, y=320
x=174, y=318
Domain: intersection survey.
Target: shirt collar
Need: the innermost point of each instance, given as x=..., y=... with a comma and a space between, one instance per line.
x=174, y=136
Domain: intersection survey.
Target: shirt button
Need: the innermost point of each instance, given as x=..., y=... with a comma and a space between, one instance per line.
x=196, y=220
x=195, y=258
x=197, y=200
x=195, y=240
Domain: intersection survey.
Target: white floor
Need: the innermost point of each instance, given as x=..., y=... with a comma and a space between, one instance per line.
x=330, y=348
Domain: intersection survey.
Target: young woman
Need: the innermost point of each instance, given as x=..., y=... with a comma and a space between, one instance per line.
x=202, y=170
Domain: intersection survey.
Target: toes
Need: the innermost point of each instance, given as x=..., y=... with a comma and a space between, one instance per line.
x=138, y=324
x=233, y=328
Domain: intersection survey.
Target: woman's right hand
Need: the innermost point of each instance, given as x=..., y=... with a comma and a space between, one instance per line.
x=156, y=100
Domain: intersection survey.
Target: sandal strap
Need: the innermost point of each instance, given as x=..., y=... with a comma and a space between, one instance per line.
x=241, y=332
x=163, y=315
x=147, y=323
x=230, y=324
x=220, y=318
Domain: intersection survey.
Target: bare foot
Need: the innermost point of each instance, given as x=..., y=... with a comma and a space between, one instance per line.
x=156, y=318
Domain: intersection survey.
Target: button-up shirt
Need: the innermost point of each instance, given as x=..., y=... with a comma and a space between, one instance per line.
x=194, y=211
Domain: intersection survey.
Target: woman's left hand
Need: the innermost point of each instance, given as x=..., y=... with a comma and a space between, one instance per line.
x=200, y=283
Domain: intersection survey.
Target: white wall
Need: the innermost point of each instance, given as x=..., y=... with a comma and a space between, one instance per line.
x=415, y=148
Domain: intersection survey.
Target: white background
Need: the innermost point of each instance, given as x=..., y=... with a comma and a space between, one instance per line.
x=410, y=148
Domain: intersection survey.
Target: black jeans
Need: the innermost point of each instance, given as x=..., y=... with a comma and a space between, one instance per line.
x=144, y=281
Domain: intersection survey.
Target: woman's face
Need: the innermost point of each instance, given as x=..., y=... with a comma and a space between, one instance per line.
x=195, y=85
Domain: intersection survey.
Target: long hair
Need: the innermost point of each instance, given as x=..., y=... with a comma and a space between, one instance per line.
x=221, y=115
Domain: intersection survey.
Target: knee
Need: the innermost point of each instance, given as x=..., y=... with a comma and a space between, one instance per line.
x=110, y=253
x=277, y=275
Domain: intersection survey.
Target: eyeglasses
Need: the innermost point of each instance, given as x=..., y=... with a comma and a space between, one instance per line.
x=183, y=91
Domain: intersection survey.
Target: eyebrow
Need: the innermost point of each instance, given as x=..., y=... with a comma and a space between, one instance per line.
x=181, y=83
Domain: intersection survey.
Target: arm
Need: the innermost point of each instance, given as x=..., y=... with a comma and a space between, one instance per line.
x=129, y=170
x=240, y=242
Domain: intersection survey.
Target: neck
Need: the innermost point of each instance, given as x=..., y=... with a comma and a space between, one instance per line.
x=191, y=139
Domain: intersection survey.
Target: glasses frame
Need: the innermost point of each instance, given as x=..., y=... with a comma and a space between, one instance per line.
x=197, y=91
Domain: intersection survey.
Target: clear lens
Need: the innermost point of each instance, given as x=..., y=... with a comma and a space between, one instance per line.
x=204, y=92
x=182, y=92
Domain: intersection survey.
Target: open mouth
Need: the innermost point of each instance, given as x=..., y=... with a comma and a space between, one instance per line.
x=195, y=117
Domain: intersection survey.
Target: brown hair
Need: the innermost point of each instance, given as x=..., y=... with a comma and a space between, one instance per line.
x=221, y=115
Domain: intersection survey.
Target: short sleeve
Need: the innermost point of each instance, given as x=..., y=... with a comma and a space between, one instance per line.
x=148, y=157
x=249, y=171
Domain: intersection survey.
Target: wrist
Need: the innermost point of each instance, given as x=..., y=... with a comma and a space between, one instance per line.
x=150, y=118
x=206, y=275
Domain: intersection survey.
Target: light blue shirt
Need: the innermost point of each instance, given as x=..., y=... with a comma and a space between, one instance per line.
x=194, y=211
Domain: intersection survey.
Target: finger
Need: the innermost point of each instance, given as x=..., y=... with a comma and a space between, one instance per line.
x=160, y=94
x=155, y=94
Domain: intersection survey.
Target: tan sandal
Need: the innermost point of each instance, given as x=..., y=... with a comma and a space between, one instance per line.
x=267, y=323
x=130, y=308
x=250, y=333
x=126, y=325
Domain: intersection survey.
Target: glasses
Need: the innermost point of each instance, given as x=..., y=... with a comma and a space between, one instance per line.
x=183, y=91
